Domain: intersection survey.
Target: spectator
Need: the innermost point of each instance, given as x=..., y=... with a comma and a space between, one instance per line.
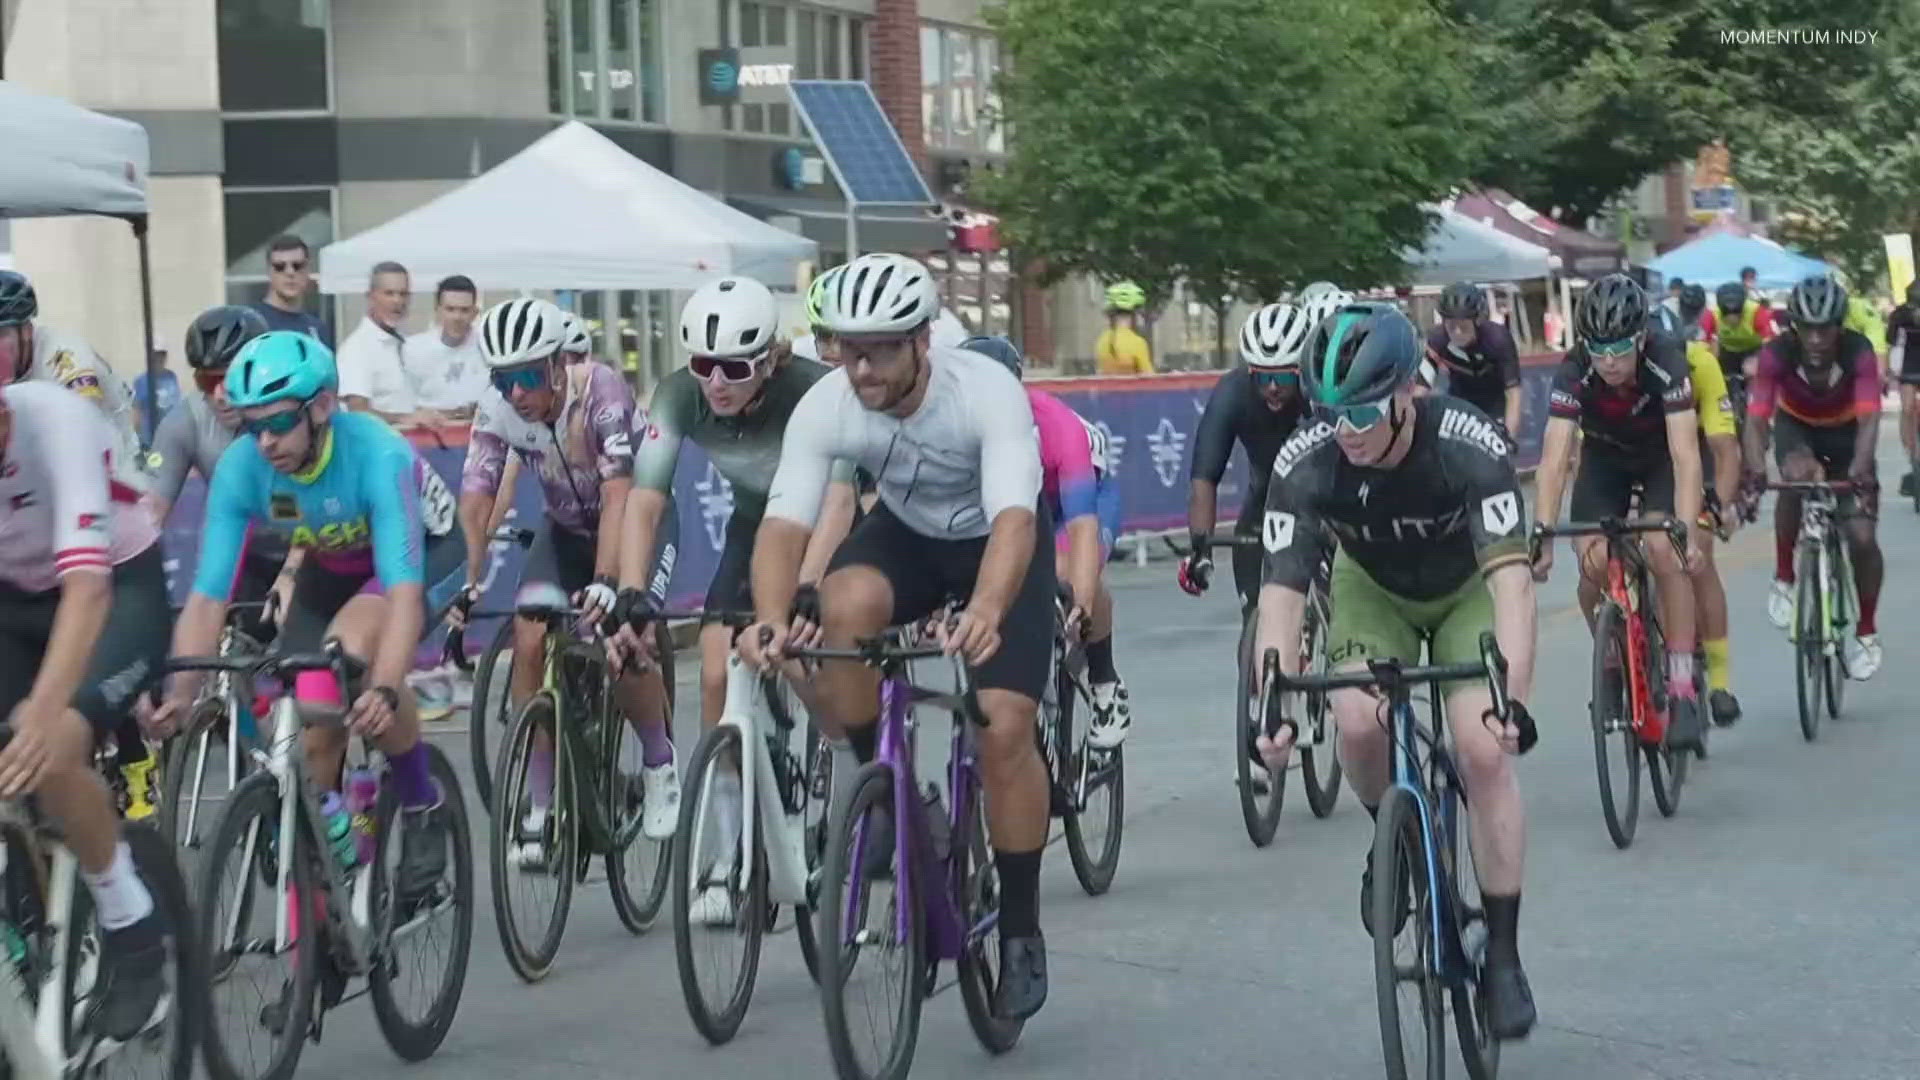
x=1120, y=349
x=443, y=362
x=372, y=364
x=289, y=276
x=1750, y=281
x=166, y=396
x=1672, y=302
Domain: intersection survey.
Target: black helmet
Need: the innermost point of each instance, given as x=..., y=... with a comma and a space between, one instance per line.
x=1913, y=294
x=1818, y=301
x=996, y=348
x=1693, y=301
x=1615, y=307
x=215, y=337
x=17, y=302
x=1359, y=354
x=1463, y=300
x=1731, y=297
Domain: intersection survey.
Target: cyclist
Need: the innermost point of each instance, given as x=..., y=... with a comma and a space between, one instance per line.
x=733, y=400
x=1479, y=355
x=83, y=616
x=567, y=424
x=1257, y=406
x=817, y=343
x=1628, y=392
x=1739, y=325
x=576, y=344
x=1422, y=497
x=1692, y=310
x=951, y=438
x=1719, y=444
x=352, y=490
x=1826, y=382
x=1120, y=350
x=1084, y=500
x=1903, y=362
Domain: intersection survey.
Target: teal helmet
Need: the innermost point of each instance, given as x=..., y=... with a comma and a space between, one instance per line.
x=280, y=365
x=1359, y=355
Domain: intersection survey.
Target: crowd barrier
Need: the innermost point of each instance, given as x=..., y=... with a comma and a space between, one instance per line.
x=1149, y=422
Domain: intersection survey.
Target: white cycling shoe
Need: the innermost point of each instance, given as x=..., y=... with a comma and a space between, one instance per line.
x=1112, y=716
x=1863, y=657
x=660, y=806
x=1780, y=604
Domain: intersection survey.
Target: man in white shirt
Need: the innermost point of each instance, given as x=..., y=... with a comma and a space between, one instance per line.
x=443, y=362
x=371, y=361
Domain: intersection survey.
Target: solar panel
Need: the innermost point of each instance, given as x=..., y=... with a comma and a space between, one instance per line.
x=855, y=135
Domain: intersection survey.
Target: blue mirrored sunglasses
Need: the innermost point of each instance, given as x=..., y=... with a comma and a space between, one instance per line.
x=1353, y=417
x=527, y=378
x=1611, y=348
x=1277, y=378
x=277, y=424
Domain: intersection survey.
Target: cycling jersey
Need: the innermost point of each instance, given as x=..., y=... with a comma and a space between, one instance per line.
x=1631, y=420
x=72, y=363
x=1479, y=373
x=1863, y=320
x=1122, y=351
x=1237, y=413
x=1421, y=528
x=1710, y=398
x=1903, y=342
x=366, y=506
x=1067, y=477
x=192, y=438
x=1847, y=390
x=1744, y=334
x=967, y=453
x=66, y=503
x=586, y=445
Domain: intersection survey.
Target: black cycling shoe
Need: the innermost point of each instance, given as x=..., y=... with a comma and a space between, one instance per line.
x=133, y=977
x=1509, y=1000
x=1402, y=902
x=1685, y=729
x=1023, y=978
x=423, y=854
x=1726, y=707
x=1906, y=486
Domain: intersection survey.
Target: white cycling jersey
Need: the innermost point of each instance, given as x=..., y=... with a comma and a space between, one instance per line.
x=968, y=452
x=66, y=505
x=69, y=362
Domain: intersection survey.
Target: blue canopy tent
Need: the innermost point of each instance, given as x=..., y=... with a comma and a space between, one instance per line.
x=1716, y=259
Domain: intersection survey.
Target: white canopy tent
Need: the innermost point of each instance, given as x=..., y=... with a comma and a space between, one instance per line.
x=1460, y=248
x=572, y=211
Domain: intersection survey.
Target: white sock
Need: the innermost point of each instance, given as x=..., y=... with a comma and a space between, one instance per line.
x=726, y=818
x=119, y=896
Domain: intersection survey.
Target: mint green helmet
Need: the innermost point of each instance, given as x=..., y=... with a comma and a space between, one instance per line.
x=280, y=365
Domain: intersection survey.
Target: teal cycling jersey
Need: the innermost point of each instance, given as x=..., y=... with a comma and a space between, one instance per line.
x=365, y=507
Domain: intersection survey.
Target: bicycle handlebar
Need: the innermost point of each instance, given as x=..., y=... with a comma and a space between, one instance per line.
x=1837, y=487
x=274, y=665
x=1392, y=675
x=1675, y=529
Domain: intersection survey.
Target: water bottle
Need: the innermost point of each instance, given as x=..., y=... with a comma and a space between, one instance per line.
x=339, y=827
x=363, y=795
x=14, y=942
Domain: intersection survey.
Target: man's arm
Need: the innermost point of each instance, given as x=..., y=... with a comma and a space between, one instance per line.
x=86, y=597
x=1551, y=479
x=476, y=510
x=1726, y=469
x=196, y=633
x=1513, y=413
x=807, y=453
x=836, y=520
x=503, y=501
x=1083, y=559
x=1866, y=410
x=614, y=494
x=640, y=521
x=1514, y=624
x=173, y=448
x=1688, y=477
x=480, y=504
x=1212, y=449
x=1760, y=391
x=778, y=548
x=405, y=622
x=1004, y=564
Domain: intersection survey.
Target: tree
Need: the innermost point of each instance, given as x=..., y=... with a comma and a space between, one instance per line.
x=1242, y=145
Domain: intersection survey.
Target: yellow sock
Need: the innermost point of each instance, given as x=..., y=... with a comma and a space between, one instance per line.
x=1718, y=663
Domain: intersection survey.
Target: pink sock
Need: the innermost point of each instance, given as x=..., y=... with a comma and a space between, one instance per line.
x=316, y=688
x=541, y=782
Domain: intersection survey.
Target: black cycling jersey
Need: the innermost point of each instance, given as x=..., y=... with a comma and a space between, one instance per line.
x=1632, y=420
x=1236, y=412
x=1450, y=508
x=1903, y=332
x=1480, y=373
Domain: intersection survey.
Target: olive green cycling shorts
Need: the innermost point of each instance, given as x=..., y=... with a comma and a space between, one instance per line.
x=1370, y=622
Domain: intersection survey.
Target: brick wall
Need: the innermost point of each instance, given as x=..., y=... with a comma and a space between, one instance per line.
x=895, y=47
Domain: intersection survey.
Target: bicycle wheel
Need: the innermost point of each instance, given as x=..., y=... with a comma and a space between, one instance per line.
x=235, y=931
x=1403, y=957
x=1667, y=775
x=1259, y=810
x=531, y=948
x=491, y=704
x=717, y=993
x=1809, y=645
x=194, y=770
x=1093, y=814
x=979, y=961
x=1319, y=761
x=818, y=763
x=1478, y=1048
x=878, y=892
x=1611, y=713
x=1840, y=589
x=446, y=917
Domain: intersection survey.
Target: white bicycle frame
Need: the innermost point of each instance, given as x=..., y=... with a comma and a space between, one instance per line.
x=1816, y=520
x=33, y=1035
x=746, y=711
x=225, y=689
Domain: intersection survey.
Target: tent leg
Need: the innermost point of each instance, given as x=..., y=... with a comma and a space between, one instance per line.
x=150, y=411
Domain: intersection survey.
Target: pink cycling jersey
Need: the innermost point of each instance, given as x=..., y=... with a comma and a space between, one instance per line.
x=1068, y=479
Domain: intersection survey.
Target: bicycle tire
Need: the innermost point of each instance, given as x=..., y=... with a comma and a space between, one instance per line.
x=479, y=716
x=257, y=798
x=1400, y=850
x=818, y=763
x=979, y=960
x=1479, y=1049
x=715, y=1023
x=1610, y=712
x=1319, y=762
x=1841, y=588
x=1106, y=771
x=418, y=1041
x=873, y=787
x=1667, y=776
x=533, y=962
x=1261, y=815
x=177, y=764
x=1809, y=647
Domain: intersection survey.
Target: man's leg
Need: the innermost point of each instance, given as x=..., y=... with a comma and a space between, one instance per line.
x=1497, y=833
x=1909, y=427
x=1710, y=602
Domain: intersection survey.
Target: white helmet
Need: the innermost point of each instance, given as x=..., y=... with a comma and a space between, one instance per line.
x=1272, y=337
x=806, y=347
x=1315, y=291
x=515, y=332
x=574, y=337
x=732, y=317
x=880, y=294
x=1326, y=303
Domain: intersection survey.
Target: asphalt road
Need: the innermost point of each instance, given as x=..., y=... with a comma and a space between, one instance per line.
x=1766, y=932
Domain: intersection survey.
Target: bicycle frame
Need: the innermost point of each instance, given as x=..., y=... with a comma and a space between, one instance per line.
x=1648, y=723
x=224, y=688
x=746, y=711
x=602, y=831
x=33, y=1033
x=1819, y=513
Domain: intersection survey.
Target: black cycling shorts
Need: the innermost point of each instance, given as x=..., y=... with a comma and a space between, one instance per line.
x=560, y=556
x=1831, y=445
x=129, y=655
x=1604, y=487
x=732, y=586
x=925, y=573
x=1733, y=361
x=319, y=593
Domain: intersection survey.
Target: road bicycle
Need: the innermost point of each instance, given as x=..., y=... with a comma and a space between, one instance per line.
x=1628, y=708
x=327, y=920
x=1087, y=787
x=1418, y=877
x=1825, y=604
x=941, y=893
x=781, y=837
x=595, y=801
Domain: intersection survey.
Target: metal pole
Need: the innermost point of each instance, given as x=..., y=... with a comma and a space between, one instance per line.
x=150, y=412
x=853, y=230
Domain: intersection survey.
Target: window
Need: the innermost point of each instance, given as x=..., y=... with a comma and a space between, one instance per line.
x=856, y=49
x=628, y=331
x=811, y=40
x=750, y=25
x=963, y=104
x=254, y=218
x=602, y=60
x=273, y=56
x=753, y=117
x=933, y=105
x=806, y=28
x=776, y=24
x=830, y=47
x=957, y=102
x=779, y=119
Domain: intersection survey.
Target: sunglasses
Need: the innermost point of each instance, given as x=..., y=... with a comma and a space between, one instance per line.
x=1276, y=378
x=287, y=267
x=1612, y=349
x=731, y=369
x=527, y=378
x=277, y=424
x=209, y=380
x=1354, y=418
